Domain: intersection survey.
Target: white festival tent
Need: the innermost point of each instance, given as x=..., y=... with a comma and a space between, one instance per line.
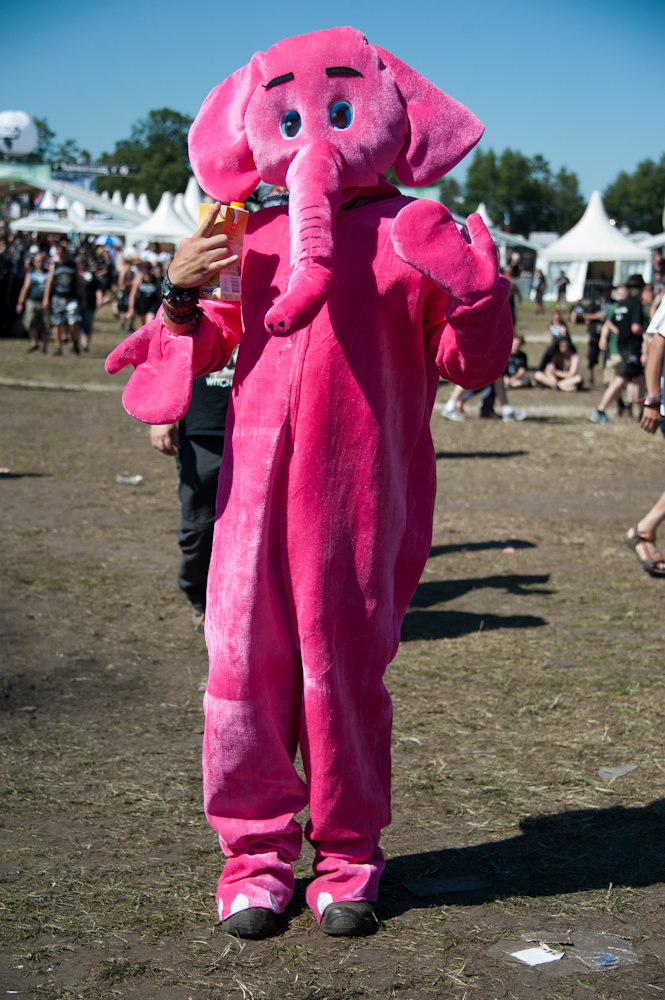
x=182, y=213
x=143, y=206
x=116, y=198
x=484, y=215
x=47, y=204
x=130, y=202
x=592, y=241
x=164, y=225
x=193, y=198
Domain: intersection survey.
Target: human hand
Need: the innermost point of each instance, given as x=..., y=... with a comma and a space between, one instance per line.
x=44, y=303
x=165, y=438
x=19, y=308
x=651, y=418
x=201, y=257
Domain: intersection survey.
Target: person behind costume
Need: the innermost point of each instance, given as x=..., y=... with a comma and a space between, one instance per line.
x=355, y=300
x=144, y=297
x=561, y=370
x=197, y=444
x=90, y=295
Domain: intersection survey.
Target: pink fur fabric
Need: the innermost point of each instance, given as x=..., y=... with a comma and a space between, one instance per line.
x=355, y=301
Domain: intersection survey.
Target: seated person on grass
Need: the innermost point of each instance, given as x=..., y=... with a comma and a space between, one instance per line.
x=561, y=369
x=515, y=376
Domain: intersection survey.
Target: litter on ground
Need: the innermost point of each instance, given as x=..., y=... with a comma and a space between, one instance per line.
x=610, y=773
x=129, y=480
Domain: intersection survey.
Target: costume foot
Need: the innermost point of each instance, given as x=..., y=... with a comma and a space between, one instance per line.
x=352, y=918
x=255, y=923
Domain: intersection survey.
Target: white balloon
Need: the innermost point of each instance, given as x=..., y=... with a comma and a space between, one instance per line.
x=18, y=133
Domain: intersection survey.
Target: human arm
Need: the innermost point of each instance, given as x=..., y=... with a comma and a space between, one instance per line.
x=165, y=438
x=651, y=418
x=198, y=261
x=607, y=328
x=22, y=294
x=132, y=295
x=47, y=287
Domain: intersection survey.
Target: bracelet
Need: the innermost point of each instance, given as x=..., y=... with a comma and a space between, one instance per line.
x=652, y=401
x=176, y=294
x=183, y=314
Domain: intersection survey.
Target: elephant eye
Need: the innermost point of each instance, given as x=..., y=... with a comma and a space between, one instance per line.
x=289, y=124
x=341, y=115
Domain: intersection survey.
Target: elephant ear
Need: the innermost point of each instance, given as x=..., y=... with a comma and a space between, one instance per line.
x=442, y=131
x=218, y=148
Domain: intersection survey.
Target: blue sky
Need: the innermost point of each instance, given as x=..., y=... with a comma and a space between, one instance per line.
x=579, y=81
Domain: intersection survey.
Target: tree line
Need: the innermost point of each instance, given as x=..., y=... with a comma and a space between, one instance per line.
x=526, y=188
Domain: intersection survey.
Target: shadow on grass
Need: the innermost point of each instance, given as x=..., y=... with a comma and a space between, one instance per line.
x=21, y=475
x=449, y=550
x=481, y=454
x=573, y=851
x=452, y=624
x=432, y=592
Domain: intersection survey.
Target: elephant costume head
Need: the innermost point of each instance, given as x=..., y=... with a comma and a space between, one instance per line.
x=324, y=114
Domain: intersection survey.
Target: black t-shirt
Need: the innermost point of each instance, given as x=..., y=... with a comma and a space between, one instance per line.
x=64, y=281
x=210, y=401
x=91, y=285
x=626, y=313
x=515, y=362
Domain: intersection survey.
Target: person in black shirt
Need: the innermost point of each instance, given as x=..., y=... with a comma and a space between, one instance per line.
x=91, y=292
x=515, y=376
x=146, y=295
x=628, y=320
x=64, y=289
x=198, y=444
x=594, y=317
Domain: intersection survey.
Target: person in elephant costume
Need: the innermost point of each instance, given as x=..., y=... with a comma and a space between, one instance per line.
x=355, y=299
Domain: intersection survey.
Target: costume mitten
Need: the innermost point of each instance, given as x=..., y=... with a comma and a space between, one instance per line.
x=465, y=266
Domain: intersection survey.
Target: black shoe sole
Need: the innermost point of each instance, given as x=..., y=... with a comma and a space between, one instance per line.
x=255, y=923
x=355, y=918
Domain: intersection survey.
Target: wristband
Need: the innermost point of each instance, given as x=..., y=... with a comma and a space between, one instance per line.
x=652, y=401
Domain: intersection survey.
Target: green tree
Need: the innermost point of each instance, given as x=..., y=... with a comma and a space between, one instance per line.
x=43, y=151
x=567, y=203
x=524, y=187
x=69, y=151
x=158, y=146
x=636, y=200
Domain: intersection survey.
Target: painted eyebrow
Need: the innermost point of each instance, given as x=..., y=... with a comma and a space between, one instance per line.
x=342, y=71
x=284, y=78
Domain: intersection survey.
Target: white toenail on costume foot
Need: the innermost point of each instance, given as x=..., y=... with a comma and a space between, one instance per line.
x=239, y=903
x=273, y=903
x=325, y=899
x=220, y=908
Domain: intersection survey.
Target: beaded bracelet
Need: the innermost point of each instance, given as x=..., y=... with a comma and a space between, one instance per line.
x=180, y=304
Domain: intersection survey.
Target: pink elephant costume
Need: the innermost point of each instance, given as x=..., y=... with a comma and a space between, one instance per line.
x=354, y=300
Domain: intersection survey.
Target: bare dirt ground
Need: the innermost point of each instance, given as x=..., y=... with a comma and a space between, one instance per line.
x=519, y=676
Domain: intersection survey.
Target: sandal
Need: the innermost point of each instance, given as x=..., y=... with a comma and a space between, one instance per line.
x=649, y=565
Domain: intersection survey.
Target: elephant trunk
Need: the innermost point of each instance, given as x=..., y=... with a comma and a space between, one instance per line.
x=314, y=179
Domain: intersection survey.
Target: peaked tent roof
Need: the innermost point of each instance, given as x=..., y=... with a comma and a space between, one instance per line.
x=593, y=238
x=484, y=214
x=193, y=198
x=180, y=210
x=164, y=225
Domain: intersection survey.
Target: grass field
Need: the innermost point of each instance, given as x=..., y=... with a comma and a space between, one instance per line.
x=519, y=676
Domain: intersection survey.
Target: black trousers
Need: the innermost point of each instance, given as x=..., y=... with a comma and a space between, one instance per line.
x=198, y=462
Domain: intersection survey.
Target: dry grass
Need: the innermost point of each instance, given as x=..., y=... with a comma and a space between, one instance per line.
x=518, y=677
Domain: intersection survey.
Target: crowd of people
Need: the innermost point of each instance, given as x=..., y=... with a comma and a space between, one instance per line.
x=51, y=287
x=618, y=343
